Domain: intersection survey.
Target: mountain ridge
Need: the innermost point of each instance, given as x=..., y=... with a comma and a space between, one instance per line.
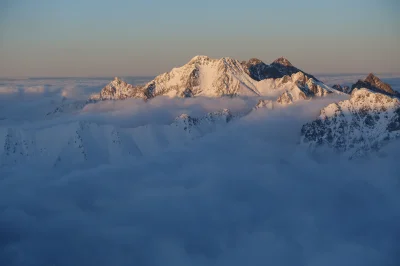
x=373, y=83
x=87, y=143
x=205, y=76
x=357, y=126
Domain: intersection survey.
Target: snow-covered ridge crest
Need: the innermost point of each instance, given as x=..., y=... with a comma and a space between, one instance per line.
x=364, y=123
x=301, y=87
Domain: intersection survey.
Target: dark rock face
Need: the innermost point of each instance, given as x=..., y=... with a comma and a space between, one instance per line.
x=394, y=124
x=286, y=68
x=258, y=70
x=281, y=67
x=187, y=93
x=344, y=89
x=373, y=83
x=283, y=62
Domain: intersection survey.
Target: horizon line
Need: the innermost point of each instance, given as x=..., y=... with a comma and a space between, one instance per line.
x=150, y=76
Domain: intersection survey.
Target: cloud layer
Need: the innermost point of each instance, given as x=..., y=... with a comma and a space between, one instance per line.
x=247, y=194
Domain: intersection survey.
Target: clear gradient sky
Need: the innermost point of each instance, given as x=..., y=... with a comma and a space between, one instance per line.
x=147, y=37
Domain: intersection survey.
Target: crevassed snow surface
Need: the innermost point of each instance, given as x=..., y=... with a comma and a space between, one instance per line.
x=243, y=194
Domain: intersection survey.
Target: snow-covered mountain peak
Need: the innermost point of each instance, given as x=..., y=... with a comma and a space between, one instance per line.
x=207, y=77
x=203, y=76
x=117, y=89
x=363, y=100
x=375, y=101
x=283, y=61
x=356, y=126
x=301, y=86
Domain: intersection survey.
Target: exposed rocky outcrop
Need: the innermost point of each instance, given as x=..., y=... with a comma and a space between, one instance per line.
x=373, y=83
x=344, y=89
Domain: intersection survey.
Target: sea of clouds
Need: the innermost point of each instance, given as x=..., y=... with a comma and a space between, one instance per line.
x=247, y=194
